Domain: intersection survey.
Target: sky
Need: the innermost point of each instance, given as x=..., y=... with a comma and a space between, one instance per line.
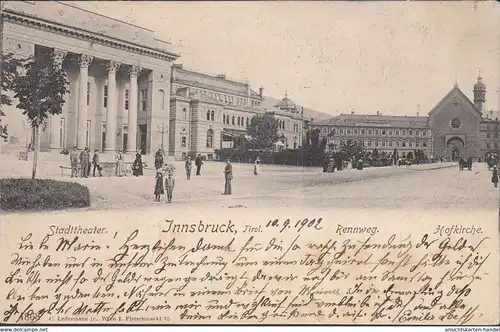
x=335, y=57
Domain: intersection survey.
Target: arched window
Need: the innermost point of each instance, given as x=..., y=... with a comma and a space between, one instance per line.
x=208, y=115
x=248, y=122
x=161, y=96
x=184, y=114
x=233, y=120
x=239, y=121
x=224, y=118
x=210, y=138
x=213, y=116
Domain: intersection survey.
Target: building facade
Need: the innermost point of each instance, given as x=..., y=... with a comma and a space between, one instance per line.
x=456, y=127
x=208, y=113
x=118, y=73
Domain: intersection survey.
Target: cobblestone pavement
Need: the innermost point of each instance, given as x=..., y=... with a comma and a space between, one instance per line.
x=437, y=186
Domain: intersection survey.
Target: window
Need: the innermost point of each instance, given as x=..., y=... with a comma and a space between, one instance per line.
x=403, y=144
x=183, y=142
x=126, y=99
x=376, y=143
x=424, y=133
x=161, y=96
x=417, y=132
x=210, y=138
x=184, y=114
x=390, y=143
x=348, y=131
x=144, y=99
x=208, y=115
x=383, y=132
x=248, y=122
x=487, y=135
x=369, y=132
x=404, y=132
x=410, y=132
x=362, y=132
x=105, y=102
x=232, y=122
x=397, y=132
x=390, y=132
x=383, y=144
x=88, y=94
x=487, y=145
x=212, y=116
x=376, y=131
x=87, y=133
x=369, y=143
x=425, y=144
x=355, y=131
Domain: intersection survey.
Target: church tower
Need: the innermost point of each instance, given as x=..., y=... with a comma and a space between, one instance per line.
x=479, y=94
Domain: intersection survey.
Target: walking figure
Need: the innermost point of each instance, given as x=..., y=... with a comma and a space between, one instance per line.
x=494, y=178
x=159, y=185
x=228, y=172
x=85, y=162
x=159, y=159
x=188, y=166
x=169, y=185
x=256, y=166
x=119, y=163
x=95, y=161
x=137, y=165
x=73, y=158
x=198, y=164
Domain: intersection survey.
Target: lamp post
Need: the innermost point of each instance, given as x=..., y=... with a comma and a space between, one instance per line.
x=162, y=129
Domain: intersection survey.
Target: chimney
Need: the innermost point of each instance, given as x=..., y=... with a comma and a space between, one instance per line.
x=221, y=76
x=418, y=113
x=352, y=112
x=378, y=113
x=261, y=91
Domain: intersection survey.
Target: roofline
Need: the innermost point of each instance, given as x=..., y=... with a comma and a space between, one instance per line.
x=174, y=65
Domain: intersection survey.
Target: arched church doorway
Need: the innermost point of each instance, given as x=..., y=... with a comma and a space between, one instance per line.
x=455, y=148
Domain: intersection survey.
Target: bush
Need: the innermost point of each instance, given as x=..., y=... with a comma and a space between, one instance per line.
x=39, y=194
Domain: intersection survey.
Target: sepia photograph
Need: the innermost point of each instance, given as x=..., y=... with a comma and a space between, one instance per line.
x=250, y=163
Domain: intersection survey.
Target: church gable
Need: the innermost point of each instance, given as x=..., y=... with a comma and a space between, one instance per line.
x=454, y=96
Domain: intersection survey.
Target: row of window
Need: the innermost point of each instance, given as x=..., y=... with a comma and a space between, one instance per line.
x=227, y=99
x=489, y=145
x=376, y=132
x=395, y=144
x=495, y=135
x=143, y=94
x=235, y=121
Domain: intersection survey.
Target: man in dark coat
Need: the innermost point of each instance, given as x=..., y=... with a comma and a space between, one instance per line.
x=85, y=162
x=159, y=159
x=198, y=164
x=228, y=173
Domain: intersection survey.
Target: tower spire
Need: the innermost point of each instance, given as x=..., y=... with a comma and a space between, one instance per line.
x=456, y=82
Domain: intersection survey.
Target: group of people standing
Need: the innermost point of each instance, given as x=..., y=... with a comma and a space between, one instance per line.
x=82, y=161
x=331, y=164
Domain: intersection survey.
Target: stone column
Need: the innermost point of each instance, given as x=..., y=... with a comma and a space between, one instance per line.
x=111, y=110
x=132, y=109
x=85, y=61
x=55, y=120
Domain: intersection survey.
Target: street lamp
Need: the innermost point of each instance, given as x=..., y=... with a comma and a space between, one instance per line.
x=162, y=129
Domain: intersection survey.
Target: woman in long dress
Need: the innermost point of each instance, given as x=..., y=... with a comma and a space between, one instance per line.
x=494, y=177
x=137, y=166
x=256, y=166
x=159, y=190
x=119, y=163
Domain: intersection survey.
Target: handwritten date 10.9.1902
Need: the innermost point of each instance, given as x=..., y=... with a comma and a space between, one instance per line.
x=298, y=226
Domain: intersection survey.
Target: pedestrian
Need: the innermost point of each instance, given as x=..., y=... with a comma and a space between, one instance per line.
x=169, y=186
x=228, y=172
x=198, y=162
x=73, y=158
x=256, y=166
x=159, y=159
x=84, y=162
x=188, y=166
x=137, y=165
x=95, y=161
x=159, y=185
x=360, y=164
x=469, y=163
x=119, y=164
x=494, y=178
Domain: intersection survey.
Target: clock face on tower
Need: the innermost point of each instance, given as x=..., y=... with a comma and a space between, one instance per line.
x=455, y=123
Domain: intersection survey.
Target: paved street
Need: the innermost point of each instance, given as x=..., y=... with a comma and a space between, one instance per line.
x=420, y=187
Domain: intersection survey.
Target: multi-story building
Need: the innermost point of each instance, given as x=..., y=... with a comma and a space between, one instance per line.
x=208, y=113
x=454, y=128
x=119, y=77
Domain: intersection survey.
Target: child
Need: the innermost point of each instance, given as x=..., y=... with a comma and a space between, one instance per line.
x=169, y=185
x=494, y=178
x=159, y=185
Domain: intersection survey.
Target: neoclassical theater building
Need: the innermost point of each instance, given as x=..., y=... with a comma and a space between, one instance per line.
x=456, y=127
x=125, y=92
x=118, y=73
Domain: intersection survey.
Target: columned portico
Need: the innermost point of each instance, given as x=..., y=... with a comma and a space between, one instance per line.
x=84, y=62
x=55, y=120
x=132, y=112
x=111, y=111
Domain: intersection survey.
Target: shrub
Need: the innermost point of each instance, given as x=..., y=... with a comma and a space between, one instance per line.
x=40, y=194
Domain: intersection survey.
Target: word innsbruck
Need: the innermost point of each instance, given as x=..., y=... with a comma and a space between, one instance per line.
x=273, y=271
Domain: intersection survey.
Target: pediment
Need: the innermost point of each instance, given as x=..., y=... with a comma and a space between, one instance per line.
x=455, y=97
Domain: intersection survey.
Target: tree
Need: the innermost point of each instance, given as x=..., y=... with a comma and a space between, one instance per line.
x=352, y=149
x=40, y=92
x=9, y=67
x=264, y=131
